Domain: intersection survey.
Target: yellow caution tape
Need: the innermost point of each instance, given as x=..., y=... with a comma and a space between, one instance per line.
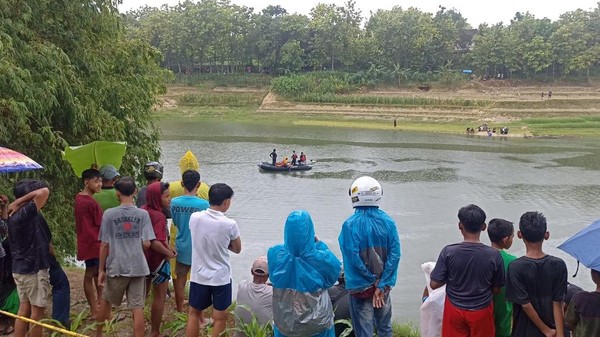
x=47, y=326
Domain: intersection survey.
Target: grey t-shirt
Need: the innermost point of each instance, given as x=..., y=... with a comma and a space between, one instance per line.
x=124, y=228
x=253, y=298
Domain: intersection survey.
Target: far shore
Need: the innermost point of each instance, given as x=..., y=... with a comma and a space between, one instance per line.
x=573, y=111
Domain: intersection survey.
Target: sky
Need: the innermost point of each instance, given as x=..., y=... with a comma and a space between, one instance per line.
x=476, y=11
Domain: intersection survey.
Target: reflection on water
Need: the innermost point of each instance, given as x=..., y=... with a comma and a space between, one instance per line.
x=426, y=178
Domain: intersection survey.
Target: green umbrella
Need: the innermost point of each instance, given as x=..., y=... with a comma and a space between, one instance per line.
x=95, y=153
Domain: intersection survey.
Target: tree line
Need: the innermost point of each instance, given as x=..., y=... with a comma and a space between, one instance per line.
x=218, y=36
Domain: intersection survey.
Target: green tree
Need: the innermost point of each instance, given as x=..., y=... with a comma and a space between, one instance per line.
x=70, y=77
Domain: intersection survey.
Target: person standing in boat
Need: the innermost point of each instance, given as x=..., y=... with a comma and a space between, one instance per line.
x=294, y=157
x=273, y=156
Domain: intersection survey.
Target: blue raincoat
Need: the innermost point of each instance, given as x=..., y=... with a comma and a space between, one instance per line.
x=301, y=271
x=370, y=248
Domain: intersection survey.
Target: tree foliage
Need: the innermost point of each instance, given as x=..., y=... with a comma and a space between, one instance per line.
x=218, y=36
x=71, y=76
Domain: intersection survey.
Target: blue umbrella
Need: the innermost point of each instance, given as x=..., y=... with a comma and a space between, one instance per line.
x=584, y=246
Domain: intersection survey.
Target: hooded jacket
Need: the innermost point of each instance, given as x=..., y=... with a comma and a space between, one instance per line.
x=159, y=223
x=188, y=162
x=370, y=249
x=301, y=271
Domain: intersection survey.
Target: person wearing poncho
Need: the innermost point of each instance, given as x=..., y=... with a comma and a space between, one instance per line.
x=301, y=270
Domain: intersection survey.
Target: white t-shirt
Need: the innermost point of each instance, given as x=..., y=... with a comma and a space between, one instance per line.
x=211, y=233
x=258, y=298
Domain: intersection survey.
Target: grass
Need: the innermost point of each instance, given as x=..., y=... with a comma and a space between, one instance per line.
x=391, y=100
x=580, y=103
x=225, y=80
x=230, y=99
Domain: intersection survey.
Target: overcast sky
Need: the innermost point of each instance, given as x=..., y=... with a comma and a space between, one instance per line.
x=476, y=11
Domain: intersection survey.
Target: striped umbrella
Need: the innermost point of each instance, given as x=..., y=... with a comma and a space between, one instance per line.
x=13, y=161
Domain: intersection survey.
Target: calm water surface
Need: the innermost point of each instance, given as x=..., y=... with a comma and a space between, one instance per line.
x=426, y=178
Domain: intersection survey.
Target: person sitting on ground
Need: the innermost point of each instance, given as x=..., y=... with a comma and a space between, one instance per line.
x=88, y=217
x=254, y=298
x=30, y=262
x=302, y=269
x=583, y=314
x=107, y=197
x=125, y=233
x=157, y=199
x=153, y=172
x=340, y=300
x=501, y=233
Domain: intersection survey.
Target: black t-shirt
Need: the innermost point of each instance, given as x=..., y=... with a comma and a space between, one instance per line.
x=470, y=271
x=28, y=242
x=539, y=282
x=43, y=225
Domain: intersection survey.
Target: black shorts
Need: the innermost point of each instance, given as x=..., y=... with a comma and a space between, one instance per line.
x=92, y=263
x=203, y=296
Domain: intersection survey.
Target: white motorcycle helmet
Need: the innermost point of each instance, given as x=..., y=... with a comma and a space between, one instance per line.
x=365, y=191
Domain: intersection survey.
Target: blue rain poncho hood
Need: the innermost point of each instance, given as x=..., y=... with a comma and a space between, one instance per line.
x=370, y=248
x=301, y=271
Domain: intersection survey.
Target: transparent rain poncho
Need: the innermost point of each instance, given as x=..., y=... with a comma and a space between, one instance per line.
x=301, y=271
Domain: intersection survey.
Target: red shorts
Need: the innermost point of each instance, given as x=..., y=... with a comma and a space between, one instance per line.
x=467, y=323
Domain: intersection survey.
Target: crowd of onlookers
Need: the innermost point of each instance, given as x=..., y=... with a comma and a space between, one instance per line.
x=299, y=287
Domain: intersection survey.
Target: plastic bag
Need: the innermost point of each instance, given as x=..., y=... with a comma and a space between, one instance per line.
x=432, y=309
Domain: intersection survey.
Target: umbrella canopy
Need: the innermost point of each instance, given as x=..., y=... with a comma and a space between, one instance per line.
x=584, y=246
x=13, y=161
x=95, y=153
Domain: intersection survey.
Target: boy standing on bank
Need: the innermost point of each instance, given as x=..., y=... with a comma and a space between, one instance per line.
x=472, y=272
x=125, y=233
x=536, y=283
x=182, y=208
x=30, y=248
x=88, y=217
x=213, y=235
x=501, y=233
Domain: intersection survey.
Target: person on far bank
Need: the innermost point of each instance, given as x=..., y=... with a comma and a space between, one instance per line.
x=88, y=217
x=273, y=156
x=472, y=273
x=182, y=208
x=157, y=199
x=125, y=233
x=583, y=314
x=536, y=283
x=213, y=235
x=501, y=233
x=30, y=249
x=371, y=253
x=153, y=172
x=107, y=197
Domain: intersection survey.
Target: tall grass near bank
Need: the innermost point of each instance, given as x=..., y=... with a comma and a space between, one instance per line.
x=225, y=80
x=230, y=99
x=390, y=100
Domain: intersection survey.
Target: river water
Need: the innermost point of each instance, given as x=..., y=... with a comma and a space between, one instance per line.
x=426, y=178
